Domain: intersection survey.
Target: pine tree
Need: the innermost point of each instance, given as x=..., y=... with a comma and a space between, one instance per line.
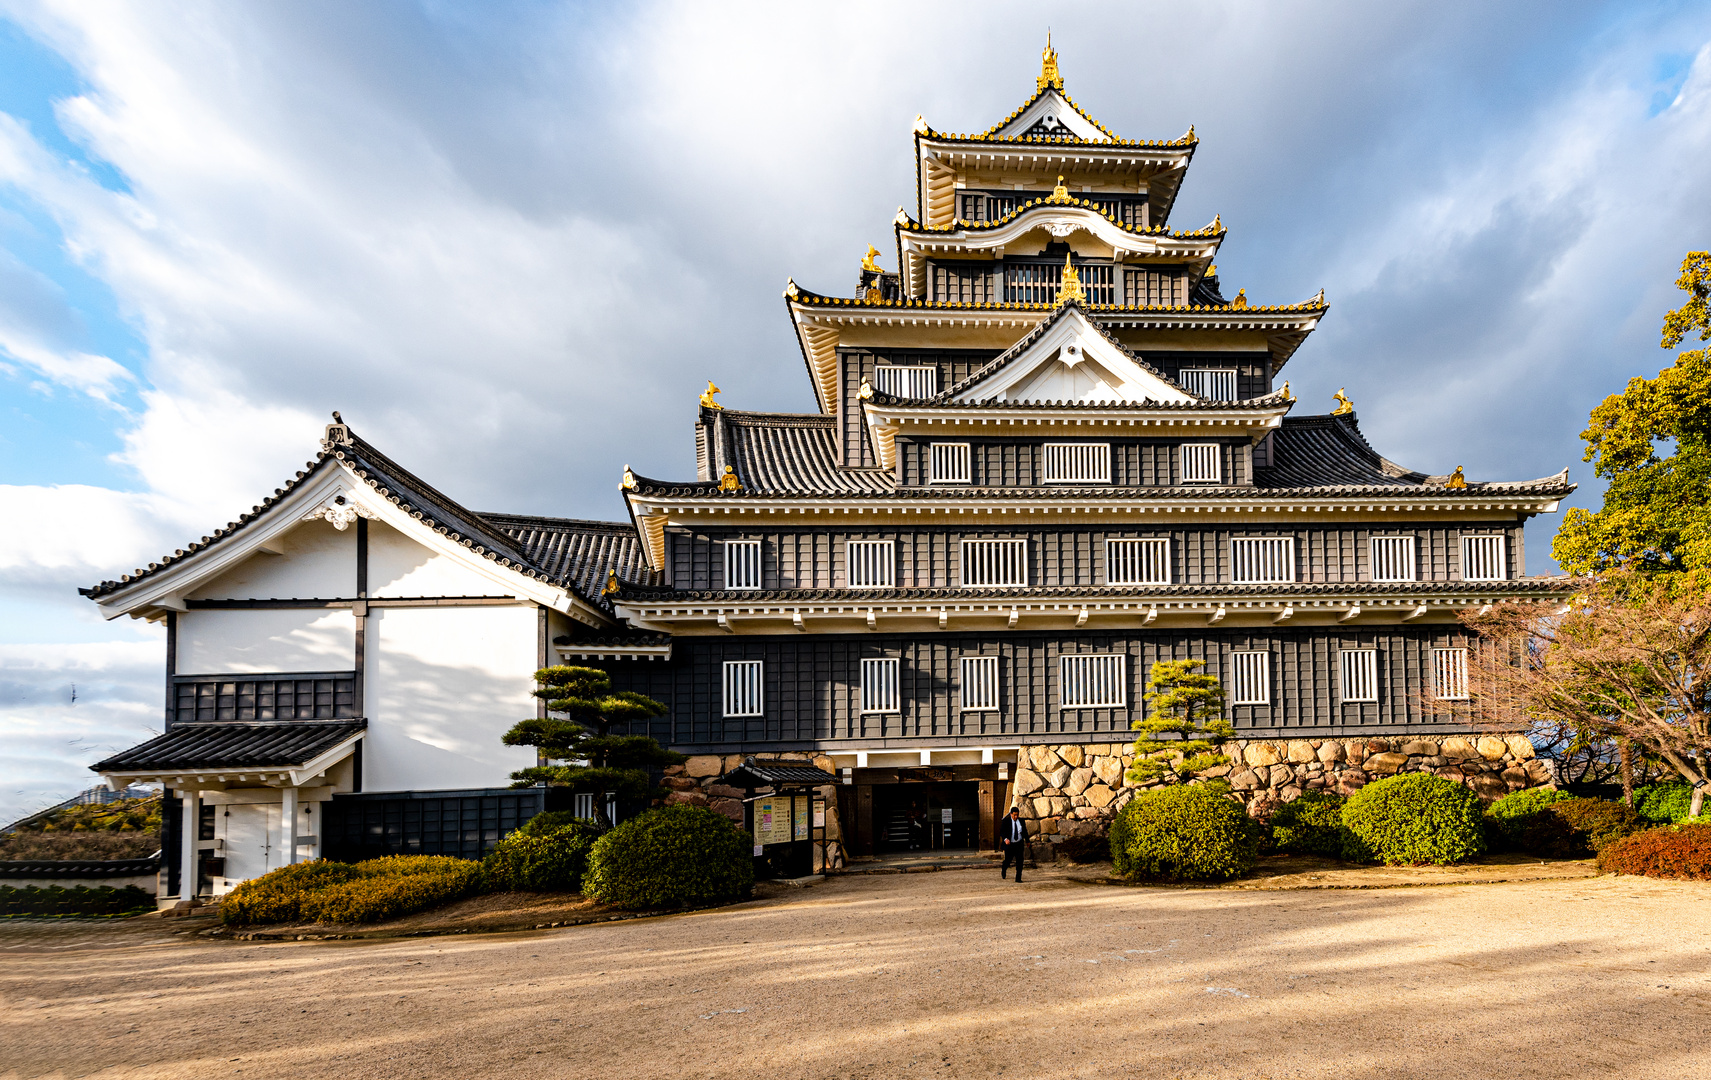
x=1189, y=705
x=582, y=709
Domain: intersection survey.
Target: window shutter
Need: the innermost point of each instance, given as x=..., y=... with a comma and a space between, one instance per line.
x=742, y=688
x=1449, y=674
x=995, y=562
x=950, y=463
x=1482, y=558
x=1360, y=674
x=1137, y=562
x=906, y=382
x=1216, y=384
x=1252, y=678
x=1392, y=558
x=1201, y=463
x=742, y=564
x=1262, y=560
x=979, y=683
x=1092, y=681
x=879, y=686
x=1078, y=463
x=872, y=564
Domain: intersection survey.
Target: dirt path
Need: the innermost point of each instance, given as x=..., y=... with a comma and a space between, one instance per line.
x=945, y=974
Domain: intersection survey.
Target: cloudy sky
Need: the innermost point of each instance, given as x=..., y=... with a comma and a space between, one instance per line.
x=510, y=240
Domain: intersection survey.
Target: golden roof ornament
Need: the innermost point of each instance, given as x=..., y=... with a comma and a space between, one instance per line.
x=1345, y=406
x=629, y=481
x=729, y=481
x=1059, y=193
x=1241, y=300
x=1049, y=75
x=611, y=583
x=790, y=289
x=920, y=124
x=902, y=217
x=866, y=391
x=1287, y=396
x=1456, y=480
x=707, y=401
x=1071, y=288
x=867, y=262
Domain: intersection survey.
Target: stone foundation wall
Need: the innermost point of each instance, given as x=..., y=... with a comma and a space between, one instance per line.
x=696, y=782
x=1074, y=789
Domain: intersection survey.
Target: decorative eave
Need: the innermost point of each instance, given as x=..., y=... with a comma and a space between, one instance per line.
x=1105, y=607
x=821, y=321
x=888, y=417
x=265, y=771
x=634, y=647
x=1060, y=218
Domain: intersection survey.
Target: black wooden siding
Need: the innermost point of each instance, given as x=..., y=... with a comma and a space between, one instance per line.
x=811, y=686
x=1253, y=370
x=929, y=557
x=1021, y=462
x=954, y=365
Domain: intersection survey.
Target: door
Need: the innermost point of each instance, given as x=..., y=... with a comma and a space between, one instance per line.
x=252, y=840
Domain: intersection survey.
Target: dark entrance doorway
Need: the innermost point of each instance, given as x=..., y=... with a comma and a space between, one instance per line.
x=927, y=816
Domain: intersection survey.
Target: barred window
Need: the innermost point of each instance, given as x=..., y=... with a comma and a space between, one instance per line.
x=1200, y=463
x=1090, y=682
x=1218, y=384
x=1079, y=463
x=950, y=463
x=879, y=686
x=1137, y=562
x=1262, y=560
x=1252, y=678
x=979, y=683
x=1449, y=674
x=1392, y=558
x=742, y=688
x=1360, y=674
x=1482, y=558
x=872, y=564
x=995, y=562
x=742, y=564
x=906, y=382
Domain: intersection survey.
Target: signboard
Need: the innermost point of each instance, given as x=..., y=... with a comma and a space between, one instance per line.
x=772, y=823
x=819, y=813
x=801, y=818
x=945, y=815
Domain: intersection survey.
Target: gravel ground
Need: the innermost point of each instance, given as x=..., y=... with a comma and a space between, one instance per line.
x=946, y=974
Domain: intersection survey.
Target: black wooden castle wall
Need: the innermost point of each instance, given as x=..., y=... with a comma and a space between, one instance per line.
x=812, y=683
x=930, y=557
x=1021, y=462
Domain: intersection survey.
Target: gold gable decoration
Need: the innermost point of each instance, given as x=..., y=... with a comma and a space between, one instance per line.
x=1060, y=194
x=1456, y=480
x=707, y=401
x=629, y=481
x=867, y=262
x=729, y=481
x=1049, y=74
x=611, y=588
x=1345, y=407
x=1071, y=288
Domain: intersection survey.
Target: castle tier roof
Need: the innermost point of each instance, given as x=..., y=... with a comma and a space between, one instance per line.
x=279, y=744
x=642, y=594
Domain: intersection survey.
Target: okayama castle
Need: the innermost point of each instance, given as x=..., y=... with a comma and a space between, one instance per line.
x=1045, y=452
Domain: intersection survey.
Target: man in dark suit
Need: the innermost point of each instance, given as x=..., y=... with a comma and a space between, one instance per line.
x=1015, y=839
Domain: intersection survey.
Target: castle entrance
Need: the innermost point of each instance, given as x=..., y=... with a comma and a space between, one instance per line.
x=897, y=811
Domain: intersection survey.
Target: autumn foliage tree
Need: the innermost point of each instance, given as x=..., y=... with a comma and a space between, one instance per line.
x=582, y=710
x=1628, y=658
x=1188, y=705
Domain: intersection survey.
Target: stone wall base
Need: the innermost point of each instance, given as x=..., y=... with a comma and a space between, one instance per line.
x=696, y=783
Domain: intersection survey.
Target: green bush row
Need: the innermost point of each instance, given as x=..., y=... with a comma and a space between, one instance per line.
x=369, y=891
x=674, y=856
x=80, y=900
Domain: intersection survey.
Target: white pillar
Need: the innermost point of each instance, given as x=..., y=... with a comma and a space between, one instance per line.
x=288, y=823
x=191, y=799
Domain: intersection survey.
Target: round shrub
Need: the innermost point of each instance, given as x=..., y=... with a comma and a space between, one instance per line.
x=549, y=820
x=1598, y=822
x=1664, y=804
x=551, y=859
x=1522, y=821
x=1310, y=825
x=1674, y=851
x=1411, y=819
x=1190, y=832
x=676, y=855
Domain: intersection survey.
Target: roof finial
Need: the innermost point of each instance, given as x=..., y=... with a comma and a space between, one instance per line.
x=1241, y=300
x=921, y=124
x=1456, y=480
x=1287, y=396
x=1059, y=193
x=1346, y=407
x=1071, y=288
x=707, y=401
x=1049, y=75
x=729, y=481
x=867, y=262
x=337, y=419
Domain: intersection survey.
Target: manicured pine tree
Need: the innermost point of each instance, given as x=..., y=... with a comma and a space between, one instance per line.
x=582, y=709
x=1189, y=705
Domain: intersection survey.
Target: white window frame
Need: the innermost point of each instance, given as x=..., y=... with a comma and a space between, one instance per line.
x=1205, y=381
x=1495, y=556
x=1195, y=459
x=1017, y=557
x=1259, y=546
x=878, y=560
x=744, y=690
x=1142, y=554
x=1250, y=677
x=980, y=673
x=1076, y=463
x=1093, y=680
x=906, y=380
x=742, y=563
x=950, y=463
x=1449, y=674
x=1386, y=552
x=881, y=686
x=1357, y=676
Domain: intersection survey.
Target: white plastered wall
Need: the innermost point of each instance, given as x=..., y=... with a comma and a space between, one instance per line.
x=235, y=641
x=400, y=567
x=314, y=560
x=443, y=684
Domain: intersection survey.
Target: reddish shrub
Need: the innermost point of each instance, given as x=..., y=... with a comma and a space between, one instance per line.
x=1674, y=851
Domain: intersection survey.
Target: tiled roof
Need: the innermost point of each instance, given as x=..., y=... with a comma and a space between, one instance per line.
x=910, y=225
x=1009, y=355
x=562, y=552
x=1330, y=452
x=880, y=597
x=807, y=297
x=787, y=452
x=262, y=745
x=1186, y=141
x=752, y=774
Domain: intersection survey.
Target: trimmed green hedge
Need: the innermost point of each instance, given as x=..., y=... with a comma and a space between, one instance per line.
x=676, y=855
x=370, y=891
x=1523, y=821
x=1665, y=804
x=1674, y=851
x=1312, y=824
x=1187, y=832
x=55, y=900
x=551, y=858
x=1414, y=818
